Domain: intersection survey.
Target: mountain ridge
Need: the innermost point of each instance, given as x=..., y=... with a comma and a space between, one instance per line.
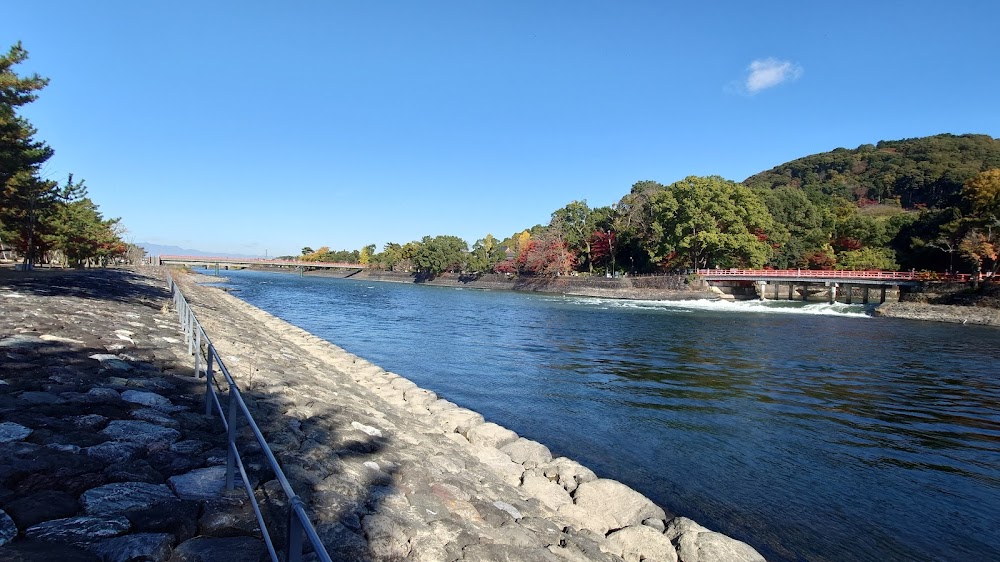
x=163, y=250
x=915, y=172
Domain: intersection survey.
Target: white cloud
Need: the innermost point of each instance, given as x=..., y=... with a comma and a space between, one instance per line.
x=769, y=72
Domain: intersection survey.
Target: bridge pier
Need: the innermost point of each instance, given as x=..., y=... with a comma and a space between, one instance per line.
x=762, y=290
x=848, y=293
x=833, y=291
x=882, y=297
x=864, y=295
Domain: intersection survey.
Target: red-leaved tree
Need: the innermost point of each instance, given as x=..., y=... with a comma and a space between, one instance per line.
x=602, y=248
x=820, y=260
x=506, y=266
x=547, y=255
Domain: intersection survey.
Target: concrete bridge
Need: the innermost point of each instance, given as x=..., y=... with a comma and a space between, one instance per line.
x=783, y=283
x=241, y=263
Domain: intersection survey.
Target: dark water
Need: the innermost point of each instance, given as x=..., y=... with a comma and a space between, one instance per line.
x=812, y=434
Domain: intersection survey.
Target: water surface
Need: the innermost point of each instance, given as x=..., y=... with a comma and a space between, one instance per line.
x=812, y=432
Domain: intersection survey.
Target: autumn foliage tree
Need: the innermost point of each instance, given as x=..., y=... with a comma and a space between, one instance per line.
x=325, y=254
x=603, y=245
x=486, y=254
x=365, y=255
x=981, y=194
x=546, y=255
x=981, y=244
x=821, y=259
x=982, y=249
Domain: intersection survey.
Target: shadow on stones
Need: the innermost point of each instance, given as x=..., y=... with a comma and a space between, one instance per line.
x=335, y=469
x=66, y=428
x=70, y=401
x=119, y=285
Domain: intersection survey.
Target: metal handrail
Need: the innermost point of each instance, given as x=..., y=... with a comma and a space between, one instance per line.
x=298, y=519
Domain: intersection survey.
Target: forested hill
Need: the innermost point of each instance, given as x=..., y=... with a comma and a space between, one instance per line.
x=926, y=171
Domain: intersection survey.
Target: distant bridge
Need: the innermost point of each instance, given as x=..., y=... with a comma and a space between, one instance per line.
x=227, y=263
x=807, y=282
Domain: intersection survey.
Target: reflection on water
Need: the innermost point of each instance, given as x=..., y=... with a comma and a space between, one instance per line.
x=812, y=432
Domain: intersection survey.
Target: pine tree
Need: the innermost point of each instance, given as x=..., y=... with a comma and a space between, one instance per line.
x=25, y=198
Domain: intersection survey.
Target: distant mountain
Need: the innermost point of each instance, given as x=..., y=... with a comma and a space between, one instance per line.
x=160, y=250
x=920, y=171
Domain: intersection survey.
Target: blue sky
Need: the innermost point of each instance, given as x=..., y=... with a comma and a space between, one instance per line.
x=261, y=126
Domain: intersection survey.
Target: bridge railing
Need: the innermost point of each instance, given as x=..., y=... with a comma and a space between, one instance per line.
x=260, y=261
x=835, y=274
x=235, y=408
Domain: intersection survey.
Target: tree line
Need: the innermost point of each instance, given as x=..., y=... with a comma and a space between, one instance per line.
x=712, y=222
x=42, y=220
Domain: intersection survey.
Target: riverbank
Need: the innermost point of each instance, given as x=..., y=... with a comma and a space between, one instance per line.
x=391, y=471
x=951, y=313
x=659, y=287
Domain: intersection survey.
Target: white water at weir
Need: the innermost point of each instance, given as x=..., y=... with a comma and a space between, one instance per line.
x=748, y=306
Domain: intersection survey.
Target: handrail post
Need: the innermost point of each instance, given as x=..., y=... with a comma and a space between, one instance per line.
x=197, y=353
x=231, y=438
x=209, y=390
x=293, y=550
x=190, y=321
x=184, y=319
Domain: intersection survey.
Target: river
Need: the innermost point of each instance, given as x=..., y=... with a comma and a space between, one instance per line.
x=812, y=432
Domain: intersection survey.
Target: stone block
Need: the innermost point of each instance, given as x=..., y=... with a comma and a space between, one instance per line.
x=623, y=504
x=525, y=450
x=490, y=434
x=695, y=543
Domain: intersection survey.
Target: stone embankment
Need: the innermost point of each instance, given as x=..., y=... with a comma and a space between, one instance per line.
x=940, y=313
x=100, y=412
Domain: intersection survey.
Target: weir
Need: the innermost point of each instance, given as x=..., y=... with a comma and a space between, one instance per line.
x=796, y=284
x=830, y=291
